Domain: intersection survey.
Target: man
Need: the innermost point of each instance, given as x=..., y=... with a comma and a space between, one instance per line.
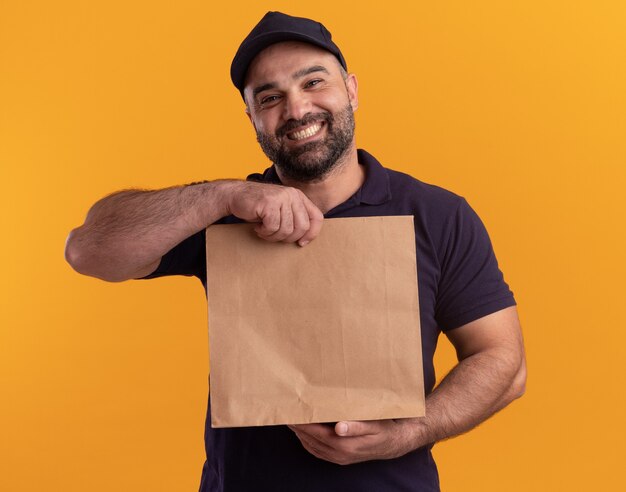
x=300, y=99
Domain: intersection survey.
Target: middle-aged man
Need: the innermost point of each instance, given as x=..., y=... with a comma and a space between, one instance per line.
x=300, y=100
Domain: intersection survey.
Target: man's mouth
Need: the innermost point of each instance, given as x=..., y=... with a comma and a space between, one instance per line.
x=307, y=132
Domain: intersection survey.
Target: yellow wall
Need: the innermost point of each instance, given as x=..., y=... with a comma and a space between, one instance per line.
x=518, y=106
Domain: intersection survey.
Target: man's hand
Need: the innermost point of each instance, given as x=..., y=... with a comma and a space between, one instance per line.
x=352, y=442
x=283, y=213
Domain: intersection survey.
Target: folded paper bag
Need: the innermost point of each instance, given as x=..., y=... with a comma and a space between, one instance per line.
x=320, y=333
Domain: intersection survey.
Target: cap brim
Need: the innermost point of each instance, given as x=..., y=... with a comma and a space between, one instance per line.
x=251, y=49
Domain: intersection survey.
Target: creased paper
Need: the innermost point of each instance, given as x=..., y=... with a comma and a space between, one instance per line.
x=320, y=333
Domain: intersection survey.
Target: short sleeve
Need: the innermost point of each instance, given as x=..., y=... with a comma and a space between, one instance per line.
x=187, y=258
x=471, y=284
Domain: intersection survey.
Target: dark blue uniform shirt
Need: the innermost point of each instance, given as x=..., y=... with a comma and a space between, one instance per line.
x=458, y=282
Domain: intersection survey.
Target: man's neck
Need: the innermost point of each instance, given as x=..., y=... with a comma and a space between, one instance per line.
x=337, y=187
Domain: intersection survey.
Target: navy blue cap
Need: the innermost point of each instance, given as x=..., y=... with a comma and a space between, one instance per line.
x=276, y=27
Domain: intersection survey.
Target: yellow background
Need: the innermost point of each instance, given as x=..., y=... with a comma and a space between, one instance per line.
x=518, y=106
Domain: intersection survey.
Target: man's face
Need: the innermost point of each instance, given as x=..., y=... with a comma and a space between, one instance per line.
x=301, y=108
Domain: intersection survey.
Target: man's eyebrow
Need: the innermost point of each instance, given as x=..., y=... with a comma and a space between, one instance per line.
x=264, y=87
x=306, y=71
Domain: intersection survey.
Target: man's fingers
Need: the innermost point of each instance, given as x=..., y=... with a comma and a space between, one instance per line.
x=316, y=448
x=319, y=431
x=350, y=441
x=286, y=223
x=284, y=213
x=296, y=219
x=285, y=228
x=301, y=221
x=323, y=442
x=269, y=222
x=355, y=428
x=345, y=428
x=311, y=439
x=307, y=219
x=316, y=218
x=317, y=439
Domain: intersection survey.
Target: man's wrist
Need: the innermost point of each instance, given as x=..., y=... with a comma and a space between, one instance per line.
x=204, y=203
x=418, y=432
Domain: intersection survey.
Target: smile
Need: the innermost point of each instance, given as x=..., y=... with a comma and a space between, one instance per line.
x=306, y=132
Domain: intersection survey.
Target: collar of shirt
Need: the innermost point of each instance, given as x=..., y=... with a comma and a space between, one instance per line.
x=375, y=191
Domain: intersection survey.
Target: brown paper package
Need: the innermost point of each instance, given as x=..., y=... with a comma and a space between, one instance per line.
x=320, y=333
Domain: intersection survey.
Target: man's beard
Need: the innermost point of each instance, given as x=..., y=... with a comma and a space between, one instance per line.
x=311, y=161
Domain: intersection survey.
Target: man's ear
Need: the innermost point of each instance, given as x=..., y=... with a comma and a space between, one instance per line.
x=352, y=86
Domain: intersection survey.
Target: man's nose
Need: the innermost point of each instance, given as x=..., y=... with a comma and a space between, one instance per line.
x=296, y=106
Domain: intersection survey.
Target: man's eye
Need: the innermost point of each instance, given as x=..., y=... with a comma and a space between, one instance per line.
x=313, y=82
x=269, y=99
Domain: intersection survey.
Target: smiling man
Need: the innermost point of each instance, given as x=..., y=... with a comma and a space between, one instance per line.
x=301, y=99
x=318, y=135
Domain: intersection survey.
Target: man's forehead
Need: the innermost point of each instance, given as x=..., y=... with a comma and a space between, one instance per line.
x=286, y=58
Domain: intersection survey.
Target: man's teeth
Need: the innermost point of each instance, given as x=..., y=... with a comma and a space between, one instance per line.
x=307, y=132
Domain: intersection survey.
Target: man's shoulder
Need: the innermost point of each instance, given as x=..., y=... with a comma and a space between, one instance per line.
x=422, y=195
x=404, y=189
x=402, y=180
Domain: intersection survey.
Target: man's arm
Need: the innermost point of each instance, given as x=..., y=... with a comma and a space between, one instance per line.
x=490, y=374
x=126, y=234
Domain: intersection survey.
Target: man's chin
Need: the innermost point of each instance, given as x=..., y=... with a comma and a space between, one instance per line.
x=315, y=148
x=307, y=168
x=309, y=161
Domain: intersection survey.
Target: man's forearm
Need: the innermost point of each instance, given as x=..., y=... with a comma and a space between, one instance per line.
x=475, y=389
x=126, y=234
